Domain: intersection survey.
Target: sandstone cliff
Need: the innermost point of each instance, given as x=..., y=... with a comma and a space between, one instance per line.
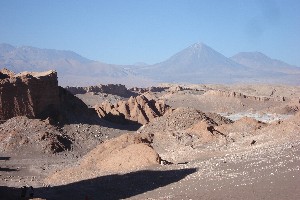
x=28, y=94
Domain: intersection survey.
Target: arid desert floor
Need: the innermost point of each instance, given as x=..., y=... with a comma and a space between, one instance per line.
x=167, y=142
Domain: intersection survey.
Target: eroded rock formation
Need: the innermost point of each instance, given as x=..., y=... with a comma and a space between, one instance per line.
x=30, y=94
x=137, y=109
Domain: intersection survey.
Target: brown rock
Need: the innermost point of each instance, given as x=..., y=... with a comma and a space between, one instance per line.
x=28, y=94
x=137, y=109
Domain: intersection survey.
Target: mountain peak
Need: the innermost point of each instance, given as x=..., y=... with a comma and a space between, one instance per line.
x=199, y=45
x=197, y=60
x=199, y=51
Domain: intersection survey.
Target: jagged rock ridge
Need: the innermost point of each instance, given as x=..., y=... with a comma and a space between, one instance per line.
x=137, y=109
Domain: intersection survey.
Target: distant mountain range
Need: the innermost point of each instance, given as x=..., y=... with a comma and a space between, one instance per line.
x=72, y=68
x=195, y=64
x=201, y=64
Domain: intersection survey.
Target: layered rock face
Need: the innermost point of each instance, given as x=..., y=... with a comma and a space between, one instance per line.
x=137, y=109
x=31, y=94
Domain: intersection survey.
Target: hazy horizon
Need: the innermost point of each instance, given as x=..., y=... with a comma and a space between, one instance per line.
x=126, y=32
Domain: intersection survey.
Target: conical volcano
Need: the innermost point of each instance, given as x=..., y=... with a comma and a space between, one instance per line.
x=196, y=63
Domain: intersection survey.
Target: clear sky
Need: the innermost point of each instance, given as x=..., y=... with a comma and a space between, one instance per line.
x=129, y=31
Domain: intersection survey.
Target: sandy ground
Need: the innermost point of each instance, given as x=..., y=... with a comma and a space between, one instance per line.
x=258, y=173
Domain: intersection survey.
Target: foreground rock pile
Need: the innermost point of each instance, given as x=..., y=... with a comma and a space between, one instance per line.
x=123, y=154
x=23, y=135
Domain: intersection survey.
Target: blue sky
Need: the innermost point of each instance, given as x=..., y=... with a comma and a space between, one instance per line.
x=129, y=31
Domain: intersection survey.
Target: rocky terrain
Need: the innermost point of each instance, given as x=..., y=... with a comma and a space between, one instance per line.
x=172, y=141
x=37, y=135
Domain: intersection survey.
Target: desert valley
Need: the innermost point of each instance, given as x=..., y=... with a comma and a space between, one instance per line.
x=168, y=141
x=150, y=100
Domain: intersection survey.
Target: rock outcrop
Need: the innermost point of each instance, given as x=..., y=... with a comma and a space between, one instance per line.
x=31, y=94
x=137, y=109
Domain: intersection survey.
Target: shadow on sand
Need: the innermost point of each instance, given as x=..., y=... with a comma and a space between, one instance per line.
x=4, y=158
x=110, y=187
x=5, y=169
x=74, y=111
